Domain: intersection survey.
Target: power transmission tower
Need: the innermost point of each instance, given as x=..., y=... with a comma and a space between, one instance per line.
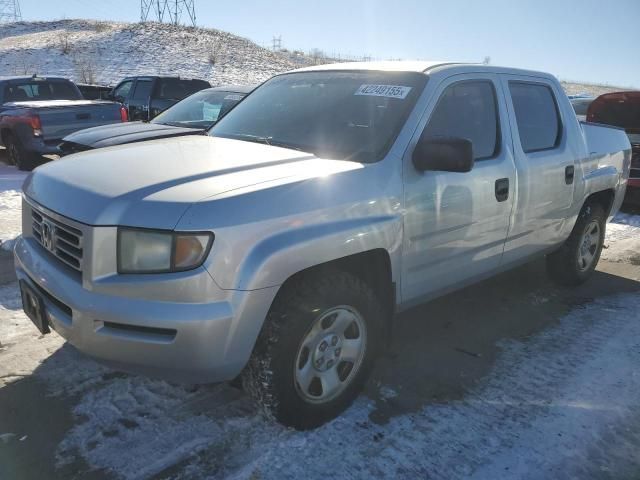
x=277, y=43
x=172, y=10
x=10, y=11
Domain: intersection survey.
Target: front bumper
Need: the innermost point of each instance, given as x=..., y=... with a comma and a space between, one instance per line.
x=632, y=196
x=182, y=341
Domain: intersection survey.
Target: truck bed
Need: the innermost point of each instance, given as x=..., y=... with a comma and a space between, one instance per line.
x=62, y=117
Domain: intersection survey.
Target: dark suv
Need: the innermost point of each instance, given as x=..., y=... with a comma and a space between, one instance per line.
x=147, y=96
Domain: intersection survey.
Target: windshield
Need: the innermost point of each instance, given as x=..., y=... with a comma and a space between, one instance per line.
x=340, y=115
x=200, y=110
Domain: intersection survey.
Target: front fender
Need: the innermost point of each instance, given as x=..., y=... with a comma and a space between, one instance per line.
x=276, y=258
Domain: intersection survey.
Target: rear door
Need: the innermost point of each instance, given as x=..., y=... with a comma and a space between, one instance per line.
x=456, y=223
x=139, y=99
x=545, y=157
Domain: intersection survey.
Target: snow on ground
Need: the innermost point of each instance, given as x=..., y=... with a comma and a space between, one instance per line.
x=625, y=232
x=10, y=210
x=552, y=407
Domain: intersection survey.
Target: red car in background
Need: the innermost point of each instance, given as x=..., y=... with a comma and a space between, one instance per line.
x=622, y=109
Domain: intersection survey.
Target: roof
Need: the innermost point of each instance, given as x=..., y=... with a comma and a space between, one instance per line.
x=233, y=88
x=23, y=78
x=390, y=66
x=421, y=67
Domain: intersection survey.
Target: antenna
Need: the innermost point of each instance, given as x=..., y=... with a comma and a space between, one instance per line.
x=10, y=11
x=172, y=10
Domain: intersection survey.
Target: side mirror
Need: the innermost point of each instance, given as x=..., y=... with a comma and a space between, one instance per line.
x=443, y=154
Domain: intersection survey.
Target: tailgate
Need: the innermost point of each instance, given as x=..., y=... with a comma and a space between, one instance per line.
x=59, y=121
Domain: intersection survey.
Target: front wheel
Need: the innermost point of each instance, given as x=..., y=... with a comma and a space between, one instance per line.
x=315, y=350
x=576, y=260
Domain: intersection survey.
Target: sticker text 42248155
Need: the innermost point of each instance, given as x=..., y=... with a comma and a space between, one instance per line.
x=389, y=91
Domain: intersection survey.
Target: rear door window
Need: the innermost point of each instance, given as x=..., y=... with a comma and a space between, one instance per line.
x=177, y=89
x=537, y=116
x=142, y=90
x=468, y=110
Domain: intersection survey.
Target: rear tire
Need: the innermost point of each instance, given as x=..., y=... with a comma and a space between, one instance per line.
x=315, y=350
x=17, y=155
x=576, y=260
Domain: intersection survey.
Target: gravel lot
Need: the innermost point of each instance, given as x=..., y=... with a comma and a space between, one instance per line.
x=511, y=378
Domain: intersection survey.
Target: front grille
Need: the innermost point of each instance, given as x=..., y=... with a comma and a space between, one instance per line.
x=62, y=240
x=635, y=161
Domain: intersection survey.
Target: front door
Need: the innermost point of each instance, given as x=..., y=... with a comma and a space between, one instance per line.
x=456, y=224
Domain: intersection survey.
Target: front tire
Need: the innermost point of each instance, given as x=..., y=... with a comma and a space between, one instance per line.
x=576, y=260
x=315, y=350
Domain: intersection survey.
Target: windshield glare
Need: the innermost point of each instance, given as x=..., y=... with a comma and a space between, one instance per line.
x=340, y=115
x=200, y=110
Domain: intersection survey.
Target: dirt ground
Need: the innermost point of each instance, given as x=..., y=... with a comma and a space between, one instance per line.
x=514, y=377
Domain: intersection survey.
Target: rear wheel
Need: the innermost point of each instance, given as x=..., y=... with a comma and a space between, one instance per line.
x=17, y=154
x=316, y=349
x=576, y=260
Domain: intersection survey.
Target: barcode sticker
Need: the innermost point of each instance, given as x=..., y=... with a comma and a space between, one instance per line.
x=233, y=96
x=389, y=91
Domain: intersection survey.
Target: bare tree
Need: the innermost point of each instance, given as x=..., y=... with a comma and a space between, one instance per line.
x=23, y=64
x=64, y=41
x=318, y=56
x=215, y=51
x=85, y=68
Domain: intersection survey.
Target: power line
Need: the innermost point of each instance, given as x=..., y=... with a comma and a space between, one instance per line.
x=10, y=11
x=171, y=10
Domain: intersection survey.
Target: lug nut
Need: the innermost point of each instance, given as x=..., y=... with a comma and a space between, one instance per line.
x=319, y=361
x=337, y=352
x=330, y=364
x=323, y=346
x=334, y=340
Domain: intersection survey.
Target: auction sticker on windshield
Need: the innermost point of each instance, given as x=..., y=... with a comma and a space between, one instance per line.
x=390, y=91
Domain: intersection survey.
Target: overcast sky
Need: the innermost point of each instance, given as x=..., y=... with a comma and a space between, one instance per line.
x=587, y=40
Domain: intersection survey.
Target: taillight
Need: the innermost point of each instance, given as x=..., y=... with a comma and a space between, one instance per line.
x=124, y=116
x=34, y=122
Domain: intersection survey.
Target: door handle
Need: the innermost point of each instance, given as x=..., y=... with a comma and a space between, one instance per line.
x=502, y=189
x=569, y=173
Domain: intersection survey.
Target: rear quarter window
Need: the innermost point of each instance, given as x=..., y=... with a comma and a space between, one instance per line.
x=537, y=116
x=178, y=89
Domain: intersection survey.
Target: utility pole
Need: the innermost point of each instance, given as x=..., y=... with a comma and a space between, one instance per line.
x=10, y=11
x=277, y=43
x=172, y=8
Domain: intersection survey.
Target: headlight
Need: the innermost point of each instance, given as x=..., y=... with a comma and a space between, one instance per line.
x=150, y=251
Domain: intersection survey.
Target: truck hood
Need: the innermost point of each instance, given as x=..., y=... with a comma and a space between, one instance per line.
x=621, y=109
x=152, y=184
x=119, y=133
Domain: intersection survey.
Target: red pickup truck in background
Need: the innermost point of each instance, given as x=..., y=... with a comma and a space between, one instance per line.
x=622, y=109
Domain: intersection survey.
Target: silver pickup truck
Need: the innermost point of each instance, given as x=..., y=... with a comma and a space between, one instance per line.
x=279, y=247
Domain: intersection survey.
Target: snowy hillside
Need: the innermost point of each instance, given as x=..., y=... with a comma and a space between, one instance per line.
x=90, y=51
x=109, y=51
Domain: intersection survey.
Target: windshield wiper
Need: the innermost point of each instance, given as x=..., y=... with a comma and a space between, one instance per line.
x=269, y=141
